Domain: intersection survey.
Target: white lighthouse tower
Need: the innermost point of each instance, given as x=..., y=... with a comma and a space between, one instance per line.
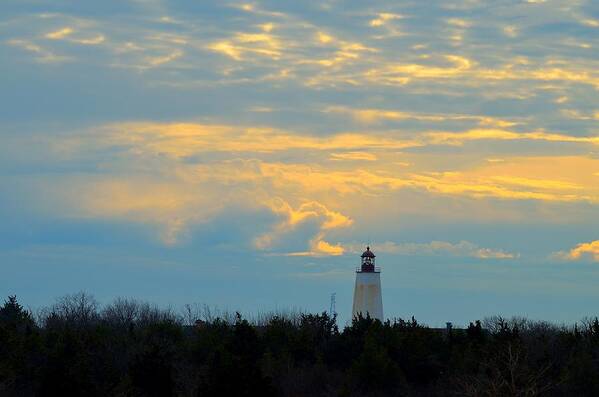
x=367, y=293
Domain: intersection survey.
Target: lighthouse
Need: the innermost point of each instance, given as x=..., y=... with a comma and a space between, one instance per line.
x=367, y=292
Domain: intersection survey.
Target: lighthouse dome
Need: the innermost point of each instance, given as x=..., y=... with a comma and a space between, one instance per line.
x=368, y=253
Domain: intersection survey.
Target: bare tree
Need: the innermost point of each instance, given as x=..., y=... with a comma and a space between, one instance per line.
x=122, y=312
x=79, y=309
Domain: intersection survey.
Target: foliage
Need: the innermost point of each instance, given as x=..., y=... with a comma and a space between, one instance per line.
x=130, y=348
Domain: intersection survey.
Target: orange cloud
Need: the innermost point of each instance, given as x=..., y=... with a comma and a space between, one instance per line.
x=42, y=54
x=566, y=179
x=326, y=218
x=67, y=34
x=557, y=178
x=323, y=248
x=153, y=177
x=59, y=34
x=353, y=156
x=581, y=251
x=324, y=38
x=457, y=138
x=404, y=73
x=262, y=44
x=377, y=115
x=320, y=247
x=383, y=18
x=171, y=206
x=585, y=249
x=184, y=139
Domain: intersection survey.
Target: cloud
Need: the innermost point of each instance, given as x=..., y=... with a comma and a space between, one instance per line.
x=95, y=40
x=403, y=73
x=243, y=44
x=227, y=48
x=510, y=31
x=169, y=206
x=492, y=123
x=461, y=23
x=42, y=55
x=383, y=18
x=324, y=38
x=67, y=34
x=590, y=22
x=505, y=135
x=373, y=115
x=298, y=168
x=255, y=9
x=260, y=109
x=333, y=60
x=59, y=34
x=583, y=251
x=344, y=53
x=319, y=247
x=267, y=27
x=172, y=196
x=311, y=210
x=457, y=67
x=354, y=156
x=550, y=179
x=537, y=183
x=437, y=248
x=185, y=139
x=160, y=60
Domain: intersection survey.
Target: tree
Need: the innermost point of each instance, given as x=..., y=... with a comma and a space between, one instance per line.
x=13, y=315
x=19, y=349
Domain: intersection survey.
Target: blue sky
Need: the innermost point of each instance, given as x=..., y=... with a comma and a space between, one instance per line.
x=241, y=154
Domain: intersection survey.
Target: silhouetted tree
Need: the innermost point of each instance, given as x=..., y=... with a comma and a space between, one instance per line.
x=19, y=349
x=131, y=348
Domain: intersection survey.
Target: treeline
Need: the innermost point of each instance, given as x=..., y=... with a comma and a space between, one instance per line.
x=129, y=348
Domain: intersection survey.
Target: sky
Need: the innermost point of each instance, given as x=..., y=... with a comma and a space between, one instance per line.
x=243, y=154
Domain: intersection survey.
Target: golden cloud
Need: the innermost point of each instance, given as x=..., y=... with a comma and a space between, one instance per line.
x=172, y=206
x=153, y=177
x=185, y=139
x=581, y=251
x=354, y=156
x=383, y=18
x=457, y=138
x=326, y=218
x=262, y=44
x=159, y=60
x=177, y=174
x=320, y=247
x=371, y=115
x=541, y=178
x=42, y=55
x=324, y=38
x=91, y=40
x=59, y=34
x=524, y=178
x=461, y=23
x=66, y=33
x=403, y=73
x=350, y=62
x=456, y=69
